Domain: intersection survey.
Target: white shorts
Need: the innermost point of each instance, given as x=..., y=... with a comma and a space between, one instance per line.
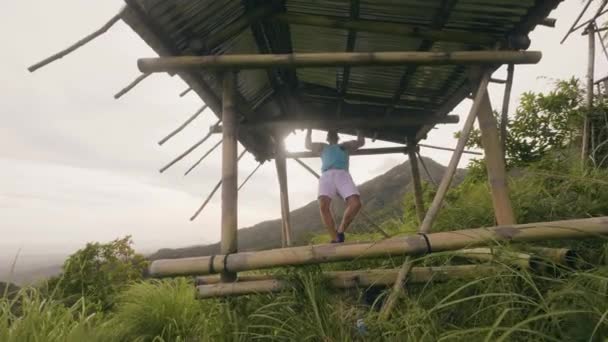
x=337, y=183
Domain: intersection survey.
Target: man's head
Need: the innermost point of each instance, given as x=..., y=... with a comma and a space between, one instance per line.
x=332, y=137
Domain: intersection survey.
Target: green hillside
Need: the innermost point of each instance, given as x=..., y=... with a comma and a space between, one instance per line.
x=382, y=200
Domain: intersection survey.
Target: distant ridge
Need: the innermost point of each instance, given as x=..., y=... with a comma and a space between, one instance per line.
x=382, y=196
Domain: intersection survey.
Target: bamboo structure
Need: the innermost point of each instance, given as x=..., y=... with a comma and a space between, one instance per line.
x=446, y=181
x=495, y=163
x=215, y=189
x=184, y=125
x=316, y=60
x=370, y=151
x=210, y=287
x=131, y=86
x=504, y=115
x=198, y=162
x=187, y=152
x=337, y=123
x=385, y=28
x=589, y=99
x=281, y=165
x=416, y=181
x=228, y=243
x=77, y=45
x=398, y=246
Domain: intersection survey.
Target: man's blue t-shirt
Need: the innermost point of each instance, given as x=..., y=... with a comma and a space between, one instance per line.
x=334, y=157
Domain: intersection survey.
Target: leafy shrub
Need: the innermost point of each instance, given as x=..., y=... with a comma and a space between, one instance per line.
x=98, y=273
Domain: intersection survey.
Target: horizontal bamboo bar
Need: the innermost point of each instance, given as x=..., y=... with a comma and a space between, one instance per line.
x=398, y=246
x=210, y=286
x=387, y=28
x=370, y=151
x=330, y=59
x=330, y=123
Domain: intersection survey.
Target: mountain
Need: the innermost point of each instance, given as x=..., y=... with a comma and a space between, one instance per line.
x=381, y=197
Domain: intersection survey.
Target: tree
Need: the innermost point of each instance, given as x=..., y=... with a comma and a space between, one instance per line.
x=546, y=123
x=98, y=272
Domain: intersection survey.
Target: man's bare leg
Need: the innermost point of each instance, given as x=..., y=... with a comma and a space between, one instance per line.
x=353, y=205
x=327, y=217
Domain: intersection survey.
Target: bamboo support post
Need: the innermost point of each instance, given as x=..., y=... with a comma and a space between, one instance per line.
x=402, y=30
x=213, y=148
x=131, y=86
x=589, y=98
x=77, y=45
x=446, y=181
x=399, y=246
x=417, y=184
x=228, y=244
x=504, y=115
x=333, y=59
x=281, y=165
x=210, y=196
x=184, y=125
x=210, y=287
x=398, y=289
x=495, y=163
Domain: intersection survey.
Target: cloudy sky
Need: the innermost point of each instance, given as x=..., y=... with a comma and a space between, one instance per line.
x=77, y=165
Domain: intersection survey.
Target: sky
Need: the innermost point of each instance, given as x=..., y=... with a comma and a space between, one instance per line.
x=78, y=166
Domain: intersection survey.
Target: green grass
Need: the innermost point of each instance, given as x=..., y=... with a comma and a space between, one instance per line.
x=558, y=304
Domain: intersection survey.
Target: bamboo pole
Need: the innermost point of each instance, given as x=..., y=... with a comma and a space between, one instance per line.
x=131, y=86
x=504, y=116
x=416, y=181
x=398, y=289
x=370, y=151
x=228, y=243
x=386, y=28
x=398, y=246
x=203, y=157
x=344, y=123
x=426, y=170
x=281, y=165
x=183, y=93
x=185, y=153
x=184, y=125
x=78, y=44
x=215, y=189
x=449, y=149
x=249, y=176
x=332, y=59
x=589, y=102
x=446, y=181
x=495, y=163
x=210, y=287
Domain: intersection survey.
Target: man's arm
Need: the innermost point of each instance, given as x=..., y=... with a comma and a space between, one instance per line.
x=354, y=145
x=315, y=147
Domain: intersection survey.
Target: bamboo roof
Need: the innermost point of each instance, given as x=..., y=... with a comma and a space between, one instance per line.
x=213, y=27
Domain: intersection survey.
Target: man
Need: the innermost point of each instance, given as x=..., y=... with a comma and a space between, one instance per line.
x=336, y=180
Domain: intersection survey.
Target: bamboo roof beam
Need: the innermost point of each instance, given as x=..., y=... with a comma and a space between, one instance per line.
x=78, y=44
x=131, y=86
x=344, y=123
x=188, y=151
x=331, y=59
x=182, y=126
x=405, y=245
x=384, y=27
x=183, y=93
